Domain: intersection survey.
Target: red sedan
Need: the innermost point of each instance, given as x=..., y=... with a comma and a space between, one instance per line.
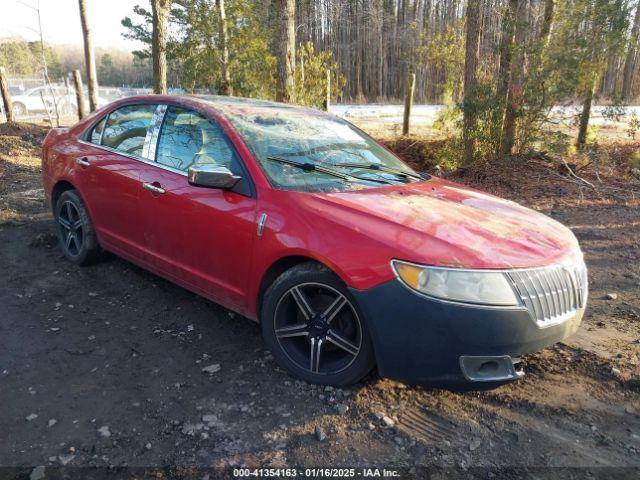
x=292, y=217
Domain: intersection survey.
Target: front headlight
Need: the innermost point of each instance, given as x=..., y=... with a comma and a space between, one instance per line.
x=456, y=285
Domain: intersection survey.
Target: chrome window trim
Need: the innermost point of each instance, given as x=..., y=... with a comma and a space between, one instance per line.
x=133, y=157
x=151, y=140
x=147, y=139
x=104, y=127
x=253, y=193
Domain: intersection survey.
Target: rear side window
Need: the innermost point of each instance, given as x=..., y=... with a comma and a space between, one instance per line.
x=96, y=133
x=127, y=127
x=188, y=138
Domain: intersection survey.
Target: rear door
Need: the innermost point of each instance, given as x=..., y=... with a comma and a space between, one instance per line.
x=200, y=237
x=109, y=176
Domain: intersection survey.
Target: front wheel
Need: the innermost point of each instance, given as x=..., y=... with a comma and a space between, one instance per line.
x=75, y=229
x=314, y=328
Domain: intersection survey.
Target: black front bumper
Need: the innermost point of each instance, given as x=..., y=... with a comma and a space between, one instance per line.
x=422, y=340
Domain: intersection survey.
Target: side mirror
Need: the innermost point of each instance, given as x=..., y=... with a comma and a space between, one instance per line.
x=212, y=176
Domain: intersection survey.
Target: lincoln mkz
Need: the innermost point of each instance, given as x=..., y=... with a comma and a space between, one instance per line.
x=348, y=258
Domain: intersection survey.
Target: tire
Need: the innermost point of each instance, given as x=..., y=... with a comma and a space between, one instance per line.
x=308, y=310
x=19, y=110
x=75, y=230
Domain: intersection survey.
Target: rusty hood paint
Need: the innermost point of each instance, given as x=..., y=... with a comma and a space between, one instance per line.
x=441, y=223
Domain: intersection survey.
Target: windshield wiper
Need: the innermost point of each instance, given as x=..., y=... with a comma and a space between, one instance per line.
x=312, y=167
x=381, y=168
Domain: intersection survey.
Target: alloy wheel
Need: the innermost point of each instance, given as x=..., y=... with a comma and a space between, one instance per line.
x=19, y=110
x=70, y=228
x=318, y=328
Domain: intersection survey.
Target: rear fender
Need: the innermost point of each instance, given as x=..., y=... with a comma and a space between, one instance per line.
x=49, y=159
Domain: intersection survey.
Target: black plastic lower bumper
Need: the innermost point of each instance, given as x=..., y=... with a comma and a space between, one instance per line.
x=422, y=340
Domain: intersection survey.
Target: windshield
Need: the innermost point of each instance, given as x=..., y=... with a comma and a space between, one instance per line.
x=313, y=151
x=46, y=91
x=34, y=91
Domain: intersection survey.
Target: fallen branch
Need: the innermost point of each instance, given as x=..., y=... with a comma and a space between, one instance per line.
x=581, y=182
x=572, y=173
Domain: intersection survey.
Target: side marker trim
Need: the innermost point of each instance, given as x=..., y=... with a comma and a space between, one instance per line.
x=261, y=224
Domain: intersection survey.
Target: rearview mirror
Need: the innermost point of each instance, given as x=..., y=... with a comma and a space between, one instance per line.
x=212, y=176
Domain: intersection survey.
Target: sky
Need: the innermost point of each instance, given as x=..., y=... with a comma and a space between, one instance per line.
x=61, y=21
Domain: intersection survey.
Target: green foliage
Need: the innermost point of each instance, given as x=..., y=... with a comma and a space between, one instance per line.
x=311, y=77
x=17, y=57
x=193, y=46
x=633, y=126
x=449, y=154
x=444, y=52
x=140, y=30
x=487, y=108
x=20, y=57
x=585, y=34
x=108, y=70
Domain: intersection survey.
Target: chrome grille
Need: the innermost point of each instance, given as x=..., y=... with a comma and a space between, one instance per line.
x=551, y=294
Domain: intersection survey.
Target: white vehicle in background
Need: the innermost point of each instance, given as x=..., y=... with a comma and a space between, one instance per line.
x=42, y=99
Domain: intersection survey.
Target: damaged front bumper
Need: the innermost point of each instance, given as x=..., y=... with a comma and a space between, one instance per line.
x=422, y=340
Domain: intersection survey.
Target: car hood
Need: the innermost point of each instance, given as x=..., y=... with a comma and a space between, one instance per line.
x=441, y=223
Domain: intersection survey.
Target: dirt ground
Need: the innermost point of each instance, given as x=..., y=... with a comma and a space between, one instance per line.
x=102, y=366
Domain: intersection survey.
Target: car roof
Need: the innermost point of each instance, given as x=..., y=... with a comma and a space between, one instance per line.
x=225, y=106
x=232, y=106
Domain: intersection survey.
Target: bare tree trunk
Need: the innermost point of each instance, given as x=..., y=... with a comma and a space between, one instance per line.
x=630, y=61
x=472, y=45
x=89, y=56
x=160, y=10
x=358, y=52
x=585, y=115
x=547, y=22
x=514, y=93
x=6, y=96
x=506, y=47
x=224, y=46
x=46, y=109
x=327, y=99
x=77, y=84
x=408, y=103
x=287, y=50
x=45, y=72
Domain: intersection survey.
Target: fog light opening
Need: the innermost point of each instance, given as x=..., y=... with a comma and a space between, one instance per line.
x=489, y=369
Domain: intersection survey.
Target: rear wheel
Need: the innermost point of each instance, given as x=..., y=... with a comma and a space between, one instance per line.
x=75, y=230
x=19, y=110
x=314, y=328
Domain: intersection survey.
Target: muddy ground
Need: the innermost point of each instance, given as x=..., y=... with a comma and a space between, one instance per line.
x=102, y=366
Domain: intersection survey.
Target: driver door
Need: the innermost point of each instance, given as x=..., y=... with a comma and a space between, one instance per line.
x=199, y=237
x=107, y=173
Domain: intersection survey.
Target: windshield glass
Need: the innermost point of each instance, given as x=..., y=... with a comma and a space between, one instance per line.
x=46, y=91
x=313, y=151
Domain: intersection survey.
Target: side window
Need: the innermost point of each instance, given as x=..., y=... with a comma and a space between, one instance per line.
x=96, y=133
x=127, y=127
x=187, y=138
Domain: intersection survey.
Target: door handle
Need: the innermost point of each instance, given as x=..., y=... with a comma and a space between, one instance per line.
x=152, y=188
x=83, y=162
